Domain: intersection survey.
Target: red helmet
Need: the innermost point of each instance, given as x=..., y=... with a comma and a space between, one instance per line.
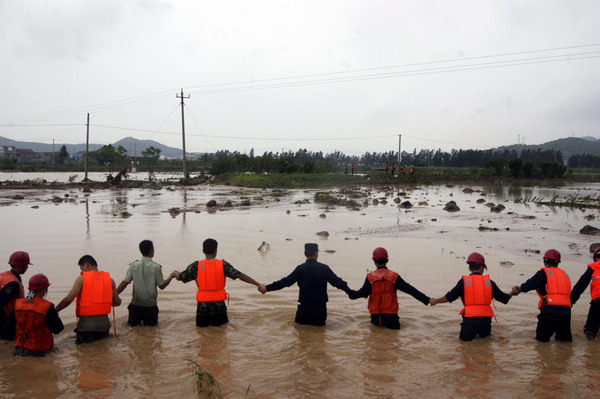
x=476, y=257
x=19, y=258
x=552, y=254
x=38, y=282
x=596, y=251
x=380, y=253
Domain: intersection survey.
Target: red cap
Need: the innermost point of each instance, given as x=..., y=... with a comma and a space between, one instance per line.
x=380, y=253
x=552, y=254
x=19, y=258
x=38, y=282
x=476, y=257
x=596, y=252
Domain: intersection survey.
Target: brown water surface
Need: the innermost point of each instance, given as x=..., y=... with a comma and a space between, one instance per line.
x=261, y=347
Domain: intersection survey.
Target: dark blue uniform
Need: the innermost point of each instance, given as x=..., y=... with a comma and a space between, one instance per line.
x=312, y=278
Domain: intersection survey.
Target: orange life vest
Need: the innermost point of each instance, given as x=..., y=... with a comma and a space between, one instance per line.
x=558, y=288
x=31, y=331
x=478, y=296
x=211, y=281
x=96, y=294
x=595, y=284
x=383, y=298
x=9, y=277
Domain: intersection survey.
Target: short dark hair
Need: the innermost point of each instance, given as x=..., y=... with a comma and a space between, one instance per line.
x=310, y=254
x=475, y=266
x=551, y=262
x=87, y=259
x=381, y=261
x=209, y=246
x=145, y=247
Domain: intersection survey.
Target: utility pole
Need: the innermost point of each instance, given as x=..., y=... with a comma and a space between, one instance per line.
x=52, y=151
x=399, y=150
x=185, y=172
x=87, y=144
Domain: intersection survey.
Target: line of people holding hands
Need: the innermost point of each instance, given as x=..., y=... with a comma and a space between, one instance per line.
x=30, y=320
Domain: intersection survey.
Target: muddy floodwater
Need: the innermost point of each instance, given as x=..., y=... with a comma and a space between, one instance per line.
x=261, y=353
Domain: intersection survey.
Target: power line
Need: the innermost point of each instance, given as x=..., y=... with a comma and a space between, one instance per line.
x=334, y=77
x=414, y=72
x=396, y=66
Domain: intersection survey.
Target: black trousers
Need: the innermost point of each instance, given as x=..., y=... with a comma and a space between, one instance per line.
x=146, y=315
x=471, y=327
x=593, y=319
x=553, y=323
x=312, y=314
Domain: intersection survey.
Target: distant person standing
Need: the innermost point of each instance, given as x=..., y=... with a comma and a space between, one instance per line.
x=386, y=168
x=312, y=278
x=353, y=168
x=591, y=275
x=11, y=289
x=554, y=289
x=476, y=292
x=146, y=276
x=96, y=293
x=346, y=169
x=35, y=320
x=404, y=171
x=380, y=287
x=209, y=275
x=392, y=168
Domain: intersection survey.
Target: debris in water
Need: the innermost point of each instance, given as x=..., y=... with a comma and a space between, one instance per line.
x=264, y=247
x=207, y=386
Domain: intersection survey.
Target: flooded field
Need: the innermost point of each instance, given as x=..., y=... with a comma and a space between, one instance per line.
x=261, y=351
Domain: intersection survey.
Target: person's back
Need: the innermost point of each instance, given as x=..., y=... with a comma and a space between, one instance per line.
x=146, y=276
x=312, y=278
x=381, y=286
x=35, y=320
x=553, y=286
x=95, y=293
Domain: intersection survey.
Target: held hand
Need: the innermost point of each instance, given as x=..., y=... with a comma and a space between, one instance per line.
x=432, y=301
x=174, y=274
x=262, y=289
x=516, y=290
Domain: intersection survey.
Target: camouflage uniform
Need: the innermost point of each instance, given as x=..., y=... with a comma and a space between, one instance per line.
x=209, y=308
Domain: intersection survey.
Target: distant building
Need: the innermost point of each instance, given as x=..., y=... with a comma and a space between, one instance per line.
x=26, y=155
x=8, y=151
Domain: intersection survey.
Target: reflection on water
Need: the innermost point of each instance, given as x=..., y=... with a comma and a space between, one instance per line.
x=261, y=347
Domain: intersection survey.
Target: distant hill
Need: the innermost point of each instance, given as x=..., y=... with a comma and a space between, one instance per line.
x=133, y=146
x=569, y=146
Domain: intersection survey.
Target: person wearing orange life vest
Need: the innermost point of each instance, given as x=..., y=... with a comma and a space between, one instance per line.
x=11, y=289
x=95, y=293
x=591, y=275
x=554, y=289
x=209, y=275
x=476, y=292
x=380, y=287
x=35, y=320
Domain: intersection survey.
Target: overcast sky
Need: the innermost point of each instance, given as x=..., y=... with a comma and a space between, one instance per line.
x=321, y=75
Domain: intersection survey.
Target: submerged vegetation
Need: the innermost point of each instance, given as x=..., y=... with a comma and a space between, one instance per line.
x=207, y=386
x=591, y=201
